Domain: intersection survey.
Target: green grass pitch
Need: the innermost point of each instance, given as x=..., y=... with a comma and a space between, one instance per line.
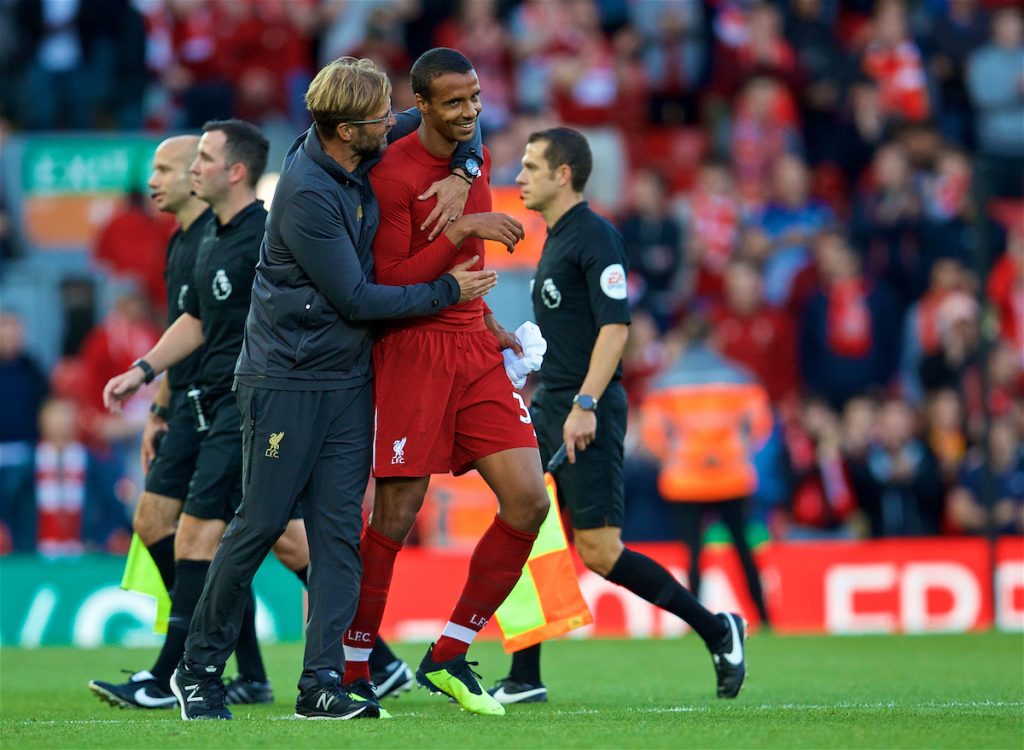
x=957, y=691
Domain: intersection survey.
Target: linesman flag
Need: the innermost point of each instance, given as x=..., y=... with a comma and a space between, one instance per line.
x=547, y=601
x=142, y=576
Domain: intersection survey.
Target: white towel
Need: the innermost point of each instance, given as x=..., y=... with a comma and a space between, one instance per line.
x=534, y=347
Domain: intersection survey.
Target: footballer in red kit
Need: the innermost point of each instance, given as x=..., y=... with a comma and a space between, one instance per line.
x=458, y=405
x=443, y=399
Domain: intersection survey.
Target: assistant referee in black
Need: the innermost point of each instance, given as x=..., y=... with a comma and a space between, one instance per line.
x=580, y=303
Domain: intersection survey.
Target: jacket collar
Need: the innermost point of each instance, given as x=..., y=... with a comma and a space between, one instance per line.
x=315, y=151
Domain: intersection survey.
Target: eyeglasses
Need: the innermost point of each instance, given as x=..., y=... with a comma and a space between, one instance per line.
x=385, y=118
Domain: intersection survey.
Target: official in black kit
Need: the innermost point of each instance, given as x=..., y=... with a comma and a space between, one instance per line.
x=579, y=287
x=305, y=391
x=219, y=298
x=580, y=303
x=171, y=471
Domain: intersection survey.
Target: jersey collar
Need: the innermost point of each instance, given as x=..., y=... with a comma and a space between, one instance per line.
x=567, y=218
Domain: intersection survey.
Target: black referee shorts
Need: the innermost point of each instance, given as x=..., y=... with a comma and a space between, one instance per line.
x=171, y=471
x=216, y=487
x=592, y=488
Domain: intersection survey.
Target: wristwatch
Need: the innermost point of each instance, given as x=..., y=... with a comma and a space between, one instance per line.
x=161, y=412
x=585, y=402
x=472, y=167
x=147, y=370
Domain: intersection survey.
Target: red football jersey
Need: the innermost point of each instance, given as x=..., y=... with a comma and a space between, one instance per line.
x=401, y=253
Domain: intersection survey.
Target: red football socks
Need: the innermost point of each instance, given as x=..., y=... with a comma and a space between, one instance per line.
x=378, y=553
x=494, y=570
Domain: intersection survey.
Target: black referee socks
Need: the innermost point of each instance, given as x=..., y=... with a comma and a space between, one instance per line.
x=651, y=582
x=188, y=587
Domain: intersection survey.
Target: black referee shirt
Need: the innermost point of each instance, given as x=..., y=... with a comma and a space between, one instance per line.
x=181, y=263
x=580, y=285
x=221, y=290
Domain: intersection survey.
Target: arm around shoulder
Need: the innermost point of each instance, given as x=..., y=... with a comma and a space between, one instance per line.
x=315, y=233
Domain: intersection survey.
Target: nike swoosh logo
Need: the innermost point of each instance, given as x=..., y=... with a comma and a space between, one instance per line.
x=502, y=697
x=142, y=698
x=735, y=655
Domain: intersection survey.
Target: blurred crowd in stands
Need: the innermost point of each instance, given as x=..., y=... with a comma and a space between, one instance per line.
x=834, y=185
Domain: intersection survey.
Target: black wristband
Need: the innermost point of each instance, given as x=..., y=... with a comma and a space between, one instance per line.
x=159, y=411
x=463, y=177
x=147, y=370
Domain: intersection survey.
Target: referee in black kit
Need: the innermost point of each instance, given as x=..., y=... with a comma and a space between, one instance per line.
x=581, y=306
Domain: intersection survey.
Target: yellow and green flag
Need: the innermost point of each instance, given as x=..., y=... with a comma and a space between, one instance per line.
x=142, y=575
x=547, y=601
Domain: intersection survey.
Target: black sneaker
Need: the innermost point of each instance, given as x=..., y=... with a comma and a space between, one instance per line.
x=730, y=657
x=241, y=690
x=508, y=691
x=141, y=691
x=368, y=692
x=330, y=700
x=200, y=693
x=393, y=680
x=456, y=679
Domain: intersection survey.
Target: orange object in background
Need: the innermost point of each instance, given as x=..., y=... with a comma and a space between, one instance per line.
x=704, y=434
x=457, y=511
x=506, y=200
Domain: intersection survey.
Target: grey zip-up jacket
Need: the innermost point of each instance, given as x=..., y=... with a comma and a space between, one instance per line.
x=313, y=299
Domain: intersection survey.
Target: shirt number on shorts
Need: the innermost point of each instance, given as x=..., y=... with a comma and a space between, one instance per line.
x=525, y=416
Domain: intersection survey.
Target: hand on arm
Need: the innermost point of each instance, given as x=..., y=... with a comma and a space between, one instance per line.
x=487, y=226
x=155, y=426
x=452, y=193
x=178, y=341
x=580, y=426
x=473, y=284
x=322, y=248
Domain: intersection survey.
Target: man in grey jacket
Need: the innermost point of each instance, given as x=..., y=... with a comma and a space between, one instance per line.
x=304, y=388
x=995, y=81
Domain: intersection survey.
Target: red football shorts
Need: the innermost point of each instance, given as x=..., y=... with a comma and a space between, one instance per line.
x=443, y=401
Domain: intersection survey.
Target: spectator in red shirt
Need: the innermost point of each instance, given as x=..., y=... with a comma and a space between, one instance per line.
x=196, y=76
x=1006, y=290
x=761, y=48
x=755, y=334
x=894, y=60
x=108, y=350
x=133, y=243
x=822, y=500
x=712, y=227
x=921, y=335
x=266, y=55
x=764, y=128
x=584, y=79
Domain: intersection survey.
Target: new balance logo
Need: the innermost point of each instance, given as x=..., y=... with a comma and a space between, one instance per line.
x=193, y=693
x=275, y=444
x=399, y=457
x=324, y=701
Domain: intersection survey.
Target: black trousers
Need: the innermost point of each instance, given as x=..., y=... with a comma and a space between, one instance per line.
x=312, y=446
x=732, y=513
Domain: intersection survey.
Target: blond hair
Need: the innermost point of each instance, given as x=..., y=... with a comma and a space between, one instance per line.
x=345, y=90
